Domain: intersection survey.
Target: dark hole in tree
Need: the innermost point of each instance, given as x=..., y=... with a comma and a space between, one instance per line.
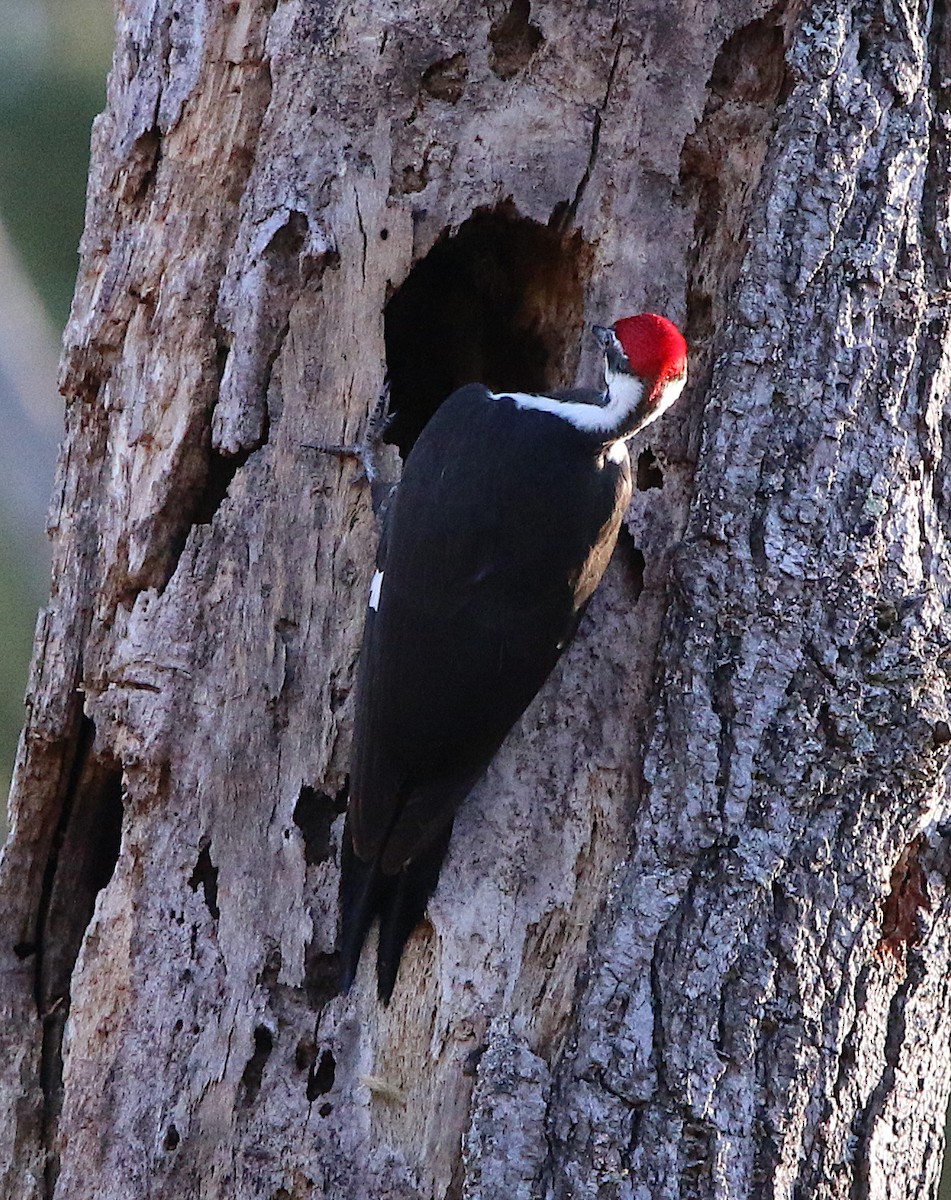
x=649, y=475
x=221, y=472
x=205, y=876
x=273, y=961
x=254, y=1069
x=81, y=862
x=314, y=814
x=446, y=79
x=751, y=65
x=321, y=976
x=305, y=1054
x=500, y=302
x=514, y=39
x=172, y=1138
x=632, y=561
x=321, y=1078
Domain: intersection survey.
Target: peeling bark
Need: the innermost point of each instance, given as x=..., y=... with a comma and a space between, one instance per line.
x=692, y=937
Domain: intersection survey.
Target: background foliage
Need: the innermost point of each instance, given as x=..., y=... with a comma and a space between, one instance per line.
x=54, y=55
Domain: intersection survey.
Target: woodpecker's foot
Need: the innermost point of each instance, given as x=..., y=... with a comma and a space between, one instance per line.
x=380, y=420
x=366, y=452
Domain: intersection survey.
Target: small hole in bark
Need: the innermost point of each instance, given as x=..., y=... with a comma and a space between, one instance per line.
x=906, y=901
x=24, y=949
x=221, y=472
x=649, y=475
x=314, y=814
x=384, y=234
x=321, y=976
x=254, y=1070
x=499, y=302
x=271, y=971
x=171, y=1138
x=720, y=165
x=143, y=165
x=284, y=249
x=514, y=40
x=339, y=689
x=415, y=176
x=321, y=1078
x=941, y=733
x=325, y=1109
x=205, y=876
x=179, y=1025
x=305, y=1054
x=470, y=1065
x=222, y=351
x=446, y=80
x=751, y=64
x=632, y=558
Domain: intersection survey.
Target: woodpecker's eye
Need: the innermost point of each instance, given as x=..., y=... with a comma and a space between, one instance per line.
x=616, y=359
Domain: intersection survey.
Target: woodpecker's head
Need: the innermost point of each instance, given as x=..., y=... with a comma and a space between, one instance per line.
x=645, y=362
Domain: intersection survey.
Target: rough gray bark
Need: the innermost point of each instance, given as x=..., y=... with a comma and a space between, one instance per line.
x=692, y=936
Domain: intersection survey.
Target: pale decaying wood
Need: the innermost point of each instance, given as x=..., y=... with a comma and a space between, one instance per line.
x=669, y=972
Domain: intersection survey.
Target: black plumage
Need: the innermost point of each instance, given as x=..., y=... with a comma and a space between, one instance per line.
x=499, y=532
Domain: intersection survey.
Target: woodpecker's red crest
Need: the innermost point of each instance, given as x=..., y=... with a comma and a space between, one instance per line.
x=654, y=347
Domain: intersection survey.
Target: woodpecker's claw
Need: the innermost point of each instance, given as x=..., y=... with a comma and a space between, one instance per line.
x=337, y=450
x=366, y=452
x=381, y=419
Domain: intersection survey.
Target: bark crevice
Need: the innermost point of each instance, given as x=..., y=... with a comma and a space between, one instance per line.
x=80, y=863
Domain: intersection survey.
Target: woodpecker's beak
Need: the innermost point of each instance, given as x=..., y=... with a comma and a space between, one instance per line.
x=615, y=358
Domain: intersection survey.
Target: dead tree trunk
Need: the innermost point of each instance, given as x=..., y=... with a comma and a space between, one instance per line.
x=692, y=936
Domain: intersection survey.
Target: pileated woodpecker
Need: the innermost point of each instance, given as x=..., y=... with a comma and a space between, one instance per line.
x=501, y=528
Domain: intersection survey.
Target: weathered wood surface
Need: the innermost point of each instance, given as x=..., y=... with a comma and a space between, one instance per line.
x=692, y=936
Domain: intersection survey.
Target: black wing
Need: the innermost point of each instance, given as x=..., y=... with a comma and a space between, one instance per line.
x=492, y=549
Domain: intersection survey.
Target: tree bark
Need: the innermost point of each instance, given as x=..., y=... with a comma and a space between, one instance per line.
x=691, y=938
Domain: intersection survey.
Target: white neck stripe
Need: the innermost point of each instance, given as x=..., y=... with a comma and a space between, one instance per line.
x=624, y=395
x=669, y=394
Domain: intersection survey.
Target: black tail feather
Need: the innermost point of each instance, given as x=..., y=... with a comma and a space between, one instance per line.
x=360, y=884
x=405, y=904
x=399, y=901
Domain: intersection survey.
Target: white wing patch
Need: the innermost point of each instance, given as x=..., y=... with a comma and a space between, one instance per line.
x=376, y=587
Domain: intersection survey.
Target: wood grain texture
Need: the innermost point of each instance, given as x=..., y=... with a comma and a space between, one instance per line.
x=692, y=937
